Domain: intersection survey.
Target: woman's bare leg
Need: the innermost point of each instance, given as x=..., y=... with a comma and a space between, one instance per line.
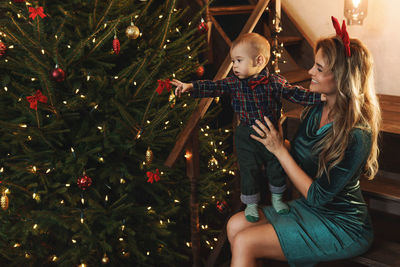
x=250, y=241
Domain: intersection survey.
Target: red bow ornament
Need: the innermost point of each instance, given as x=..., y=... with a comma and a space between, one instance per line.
x=33, y=100
x=153, y=177
x=163, y=84
x=343, y=34
x=35, y=12
x=253, y=84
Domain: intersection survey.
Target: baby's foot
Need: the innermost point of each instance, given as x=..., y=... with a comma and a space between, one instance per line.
x=278, y=204
x=251, y=212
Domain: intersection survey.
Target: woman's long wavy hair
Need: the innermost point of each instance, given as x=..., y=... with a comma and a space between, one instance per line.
x=356, y=103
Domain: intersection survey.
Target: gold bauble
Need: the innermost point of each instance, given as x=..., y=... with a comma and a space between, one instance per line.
x=4, y=202
x=149, y=156
x=132, y=32
x=172, y=99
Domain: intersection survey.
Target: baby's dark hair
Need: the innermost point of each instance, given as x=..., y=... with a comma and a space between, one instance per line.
x=258, y=42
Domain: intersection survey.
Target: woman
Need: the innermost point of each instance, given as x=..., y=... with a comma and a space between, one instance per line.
x=335, y=143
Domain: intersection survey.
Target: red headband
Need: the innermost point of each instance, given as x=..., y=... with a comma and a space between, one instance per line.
x=343, y=34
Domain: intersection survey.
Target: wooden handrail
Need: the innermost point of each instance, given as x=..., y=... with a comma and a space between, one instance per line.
x=231, y=10
x=206, y=102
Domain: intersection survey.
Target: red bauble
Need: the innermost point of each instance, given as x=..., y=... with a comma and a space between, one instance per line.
x=84, y=182
x=202, y=26
x=3, y=48
x=200, y=71
x=116, y=45
x=58, y=74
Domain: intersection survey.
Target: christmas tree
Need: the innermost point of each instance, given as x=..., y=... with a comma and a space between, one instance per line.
x=87, y=120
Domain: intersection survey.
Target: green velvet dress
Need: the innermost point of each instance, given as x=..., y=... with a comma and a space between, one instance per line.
x=333, y=221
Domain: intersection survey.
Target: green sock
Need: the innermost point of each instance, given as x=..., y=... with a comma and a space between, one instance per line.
x=251, y=212
x=278, y=204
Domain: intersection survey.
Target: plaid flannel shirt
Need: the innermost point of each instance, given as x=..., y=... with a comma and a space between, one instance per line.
x=263, y=100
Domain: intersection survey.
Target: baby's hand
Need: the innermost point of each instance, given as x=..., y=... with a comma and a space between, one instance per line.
x=181, y=87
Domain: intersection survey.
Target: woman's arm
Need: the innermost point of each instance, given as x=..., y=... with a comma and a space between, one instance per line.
x=273, y=141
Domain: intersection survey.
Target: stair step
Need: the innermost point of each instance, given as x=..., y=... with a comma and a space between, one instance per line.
x=290, y=40
x=381, y=187
x=296, y=76
x=381, y=254
x=231, y=10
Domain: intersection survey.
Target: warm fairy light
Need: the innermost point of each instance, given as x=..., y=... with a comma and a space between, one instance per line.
x=188, y=48
x=121, y=239
x=122, y=227
x=95, y=107
x=208, y=242
x=72, y=150
x=213, y=197
x=206, y=134
x=27, y=255
x=168, y=221
x=101, y=159
x=203, y=206
x=42, y=51
x=54, y=258
x=73, y=241
x=149, y=208
x=2, y=169
x=215, y=239
x=23, y=125
x=82, y=221
x=55, y=36
x=34, y=195
x=34, y=169
x=173, y=75
x=83, y=201
x=62, y=201
x=100, y=128
x=33, y=79
x=83, y=96
x=105, y=25
x=166, y=123
x=148, y=122
x=115, y=77
x=122, y=180
x=87, y=78
x=83, y=265
x=188, y=244
x=176, y=201
x=67, y=185
x=19, y=15
x=228, y=192
x=134, y=83
x=136, y=16
x=68, y=46
x=165, y=46
x=189, y=57
x=177, y=30
x=148, y=253
x=17, y=245
x=5, y=88
x=35, y=226
x=161, y=222
x=64, y=102
x=106, y=198
x=94, y=40
x=226, y=130
x=160, y=17
x=211, y=247
x=29, y=137
x=11, y=47
x=7, y=191
x=188, y=155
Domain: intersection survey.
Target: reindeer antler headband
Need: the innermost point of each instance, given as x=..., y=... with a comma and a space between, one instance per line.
x=343, y=34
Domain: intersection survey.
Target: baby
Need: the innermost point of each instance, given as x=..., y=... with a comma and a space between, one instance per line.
x=255, y=93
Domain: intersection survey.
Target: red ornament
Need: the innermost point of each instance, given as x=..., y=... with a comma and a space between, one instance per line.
x=58, y=74
x=222, y=206
x=116, y=45
x=84, y=182
x=163, y=84
x=202, y=26
x=153, y=176
x=200, y=71
x=3, y=48
x=33, y=100
x=36, y=12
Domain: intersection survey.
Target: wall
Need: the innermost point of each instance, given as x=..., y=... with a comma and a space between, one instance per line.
x=380, y=33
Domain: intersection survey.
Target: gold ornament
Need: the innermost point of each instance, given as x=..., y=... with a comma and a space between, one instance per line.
x=149, y=156
x=4, y=201
x=132, y=32
x=105, y=259
x=172, y=99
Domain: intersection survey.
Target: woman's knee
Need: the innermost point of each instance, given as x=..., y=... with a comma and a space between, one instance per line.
x=235, y=225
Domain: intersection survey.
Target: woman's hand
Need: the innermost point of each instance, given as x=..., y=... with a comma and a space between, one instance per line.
x=181, y=87
x=271, y=139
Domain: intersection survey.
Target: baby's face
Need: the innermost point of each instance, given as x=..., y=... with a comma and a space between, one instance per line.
x=244, y=62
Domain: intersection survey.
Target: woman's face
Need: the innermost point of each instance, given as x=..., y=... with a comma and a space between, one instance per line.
x=322, y=79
